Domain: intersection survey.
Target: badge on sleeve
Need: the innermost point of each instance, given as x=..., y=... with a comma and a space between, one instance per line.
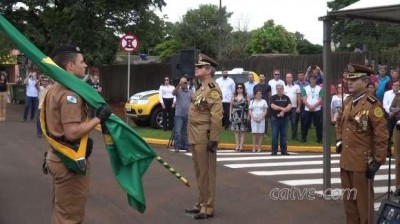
x=378, y=112
x=72, y=99
x=215, y=94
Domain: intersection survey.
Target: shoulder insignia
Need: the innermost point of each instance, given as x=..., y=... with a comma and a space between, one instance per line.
x=72, y=99
x=215, y=94
x=378, y=112
x=372, y=99
x=211, y=85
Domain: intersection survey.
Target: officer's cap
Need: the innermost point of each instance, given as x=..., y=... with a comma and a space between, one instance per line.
x=358, y=71
x=205, y=60
x=65, y=49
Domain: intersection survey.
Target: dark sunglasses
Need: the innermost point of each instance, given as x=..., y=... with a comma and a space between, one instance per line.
x=166, y=79
x=277, y=74
x=239, y=87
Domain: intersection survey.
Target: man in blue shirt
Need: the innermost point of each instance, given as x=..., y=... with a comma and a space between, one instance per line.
x=382, y=80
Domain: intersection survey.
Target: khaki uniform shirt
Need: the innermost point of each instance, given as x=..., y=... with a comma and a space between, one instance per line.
x=63, y=106
x=362, y=128
x=205, y=113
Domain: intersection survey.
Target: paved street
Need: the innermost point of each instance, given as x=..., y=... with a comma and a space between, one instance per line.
x=244, y=184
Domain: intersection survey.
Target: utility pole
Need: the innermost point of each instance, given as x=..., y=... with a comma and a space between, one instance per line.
x=219, y=30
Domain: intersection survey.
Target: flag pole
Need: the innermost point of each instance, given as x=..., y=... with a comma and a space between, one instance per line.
x=172, y=171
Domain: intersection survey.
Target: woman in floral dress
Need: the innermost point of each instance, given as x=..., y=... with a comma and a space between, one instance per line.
x=239, y=115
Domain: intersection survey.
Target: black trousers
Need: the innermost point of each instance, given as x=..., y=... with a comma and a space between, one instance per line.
x=168, y=114
x=316, y=118
x=391, y=123
x=225, y=119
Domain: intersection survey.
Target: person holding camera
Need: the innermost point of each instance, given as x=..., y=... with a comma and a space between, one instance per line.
x=66, y=127
x=32, y=93
x=183, y=94
x=362, y=136
x=314, y=70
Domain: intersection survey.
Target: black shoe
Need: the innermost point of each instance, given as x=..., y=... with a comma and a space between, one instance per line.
x=285, y=153
x=303, y=140
x=319, y=141
x=396, y=193
x=274, y=153
x=192, y=210
x=200, y=216
x=295, y=139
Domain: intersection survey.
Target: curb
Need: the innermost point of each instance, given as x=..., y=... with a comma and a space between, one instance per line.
x=247, y=147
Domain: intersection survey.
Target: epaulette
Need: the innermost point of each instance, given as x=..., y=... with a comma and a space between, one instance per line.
x=372, y=99
x=211, y=85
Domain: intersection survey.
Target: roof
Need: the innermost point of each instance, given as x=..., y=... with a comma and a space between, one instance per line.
x=382, y=10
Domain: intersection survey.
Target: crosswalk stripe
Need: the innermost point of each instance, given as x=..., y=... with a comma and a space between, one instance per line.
x=303, y=182
x=303, y=171
x=297, y=163
x=268, y=158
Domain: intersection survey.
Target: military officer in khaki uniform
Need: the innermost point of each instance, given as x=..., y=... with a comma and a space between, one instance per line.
x=204, y=130
x=362, y=135
x=66, y=121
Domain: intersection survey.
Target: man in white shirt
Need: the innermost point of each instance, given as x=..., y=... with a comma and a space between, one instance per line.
x=32, y=93
x=275, y=80
x=249, y=85
x=227, y=86
x=386, y=103
x=294, y=93
x=312, y=99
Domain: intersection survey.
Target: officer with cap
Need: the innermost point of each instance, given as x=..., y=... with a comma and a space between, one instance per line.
x=65, y=118
x=204, y=130
x=362, y=135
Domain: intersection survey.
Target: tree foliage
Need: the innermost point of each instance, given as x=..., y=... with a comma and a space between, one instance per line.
x=199, y=28
x=236, y=44
x=91, y=24
x=271, y=38
x=348, y=34
x=305, y=47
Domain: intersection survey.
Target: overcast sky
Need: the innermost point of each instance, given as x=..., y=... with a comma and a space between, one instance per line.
x=294, y=15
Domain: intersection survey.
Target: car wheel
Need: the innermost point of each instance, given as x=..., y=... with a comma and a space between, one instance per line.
x=156, y=118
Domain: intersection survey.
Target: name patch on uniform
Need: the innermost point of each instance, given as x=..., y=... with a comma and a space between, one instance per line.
x=378, y=112
x=72, y=99
x=215, y=94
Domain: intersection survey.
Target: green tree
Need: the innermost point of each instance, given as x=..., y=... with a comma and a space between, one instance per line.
x=91, y=24
x=236, y=44
x=200, y=28
x=348, y=34
x=271, y=38
x=5, y=45
x=305, y=47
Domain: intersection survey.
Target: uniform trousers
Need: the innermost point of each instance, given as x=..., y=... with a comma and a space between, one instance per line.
x=3, y=105
x=205, y=163
x=70, y=191
x=396, y=144
x=361, y=207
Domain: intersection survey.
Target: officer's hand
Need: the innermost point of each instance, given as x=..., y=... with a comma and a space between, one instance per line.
x=339, y=146
x=372, y=169
x=103, y=112
x=211, y=146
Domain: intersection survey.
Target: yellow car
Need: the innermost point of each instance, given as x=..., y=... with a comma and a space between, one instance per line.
x=144, y=108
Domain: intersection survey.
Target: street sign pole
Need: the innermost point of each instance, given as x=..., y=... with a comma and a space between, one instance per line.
x=129, y=74
x=129, y=43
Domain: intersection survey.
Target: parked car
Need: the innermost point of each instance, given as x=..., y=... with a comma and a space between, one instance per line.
x=144, y=108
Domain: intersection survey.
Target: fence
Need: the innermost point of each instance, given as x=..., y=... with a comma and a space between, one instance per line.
x=149, y=76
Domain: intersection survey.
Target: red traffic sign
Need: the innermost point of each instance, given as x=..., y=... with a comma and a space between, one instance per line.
x=129, y=42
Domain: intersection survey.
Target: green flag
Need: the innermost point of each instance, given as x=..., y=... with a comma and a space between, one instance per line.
x=130, y=155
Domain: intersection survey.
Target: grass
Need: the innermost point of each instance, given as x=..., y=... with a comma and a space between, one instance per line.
x=228, y=136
